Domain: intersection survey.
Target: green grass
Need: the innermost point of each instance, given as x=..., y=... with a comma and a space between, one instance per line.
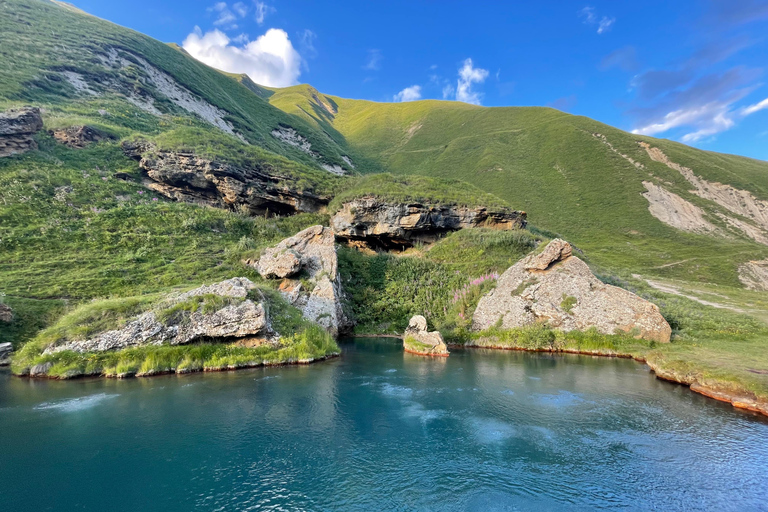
x=310, y=344
x=386, y=290
x=412, y=343
x=300, y=340
x=418, y=189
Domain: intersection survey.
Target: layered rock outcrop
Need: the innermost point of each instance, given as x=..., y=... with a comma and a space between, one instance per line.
x=17, y=128
x=6, y=313
x=379, y=223
x=185, y=176
x=79, y=136
x=558, y=288
x=310, y=254
x=236, y=317
x=417, y=339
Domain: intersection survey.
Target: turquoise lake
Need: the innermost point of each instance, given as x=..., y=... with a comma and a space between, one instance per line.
x=378, y=429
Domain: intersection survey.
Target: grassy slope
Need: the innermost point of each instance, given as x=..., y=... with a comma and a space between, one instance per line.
x=548, y=163
x=43, y=39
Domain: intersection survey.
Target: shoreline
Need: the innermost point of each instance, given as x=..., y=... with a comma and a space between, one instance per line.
x=209, y=369
x=738, y=401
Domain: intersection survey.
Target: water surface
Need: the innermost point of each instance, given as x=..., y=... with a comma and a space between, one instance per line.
x=378, y=429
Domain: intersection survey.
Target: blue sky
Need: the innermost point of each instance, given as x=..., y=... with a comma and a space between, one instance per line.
x=692, y=71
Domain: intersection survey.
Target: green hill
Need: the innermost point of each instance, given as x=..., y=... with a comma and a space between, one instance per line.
x=552, y=165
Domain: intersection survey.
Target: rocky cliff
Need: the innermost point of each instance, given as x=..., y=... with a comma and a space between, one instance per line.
x=378, y=223
x=17, y=126
x=558, y=288
x=185, y=176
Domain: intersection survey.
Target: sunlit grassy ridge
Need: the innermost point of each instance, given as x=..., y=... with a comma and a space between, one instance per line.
x=550, y=164
x=422, y=189
x=43, y=39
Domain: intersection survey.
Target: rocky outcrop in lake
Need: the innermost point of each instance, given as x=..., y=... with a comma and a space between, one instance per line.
x=417, y=339
x=223, y=313
x=311, y=255
x=17, y=128
x=382, y=224
x=558, y=288
x=186, y=176
x=6, y=349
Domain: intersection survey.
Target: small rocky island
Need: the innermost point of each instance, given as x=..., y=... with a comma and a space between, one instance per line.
x=418, y=340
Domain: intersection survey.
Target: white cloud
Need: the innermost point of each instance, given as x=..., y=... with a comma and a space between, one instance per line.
x=241, y=9
x=591, y=18
x=448, y=91
x=262, y=9
x=373, y=60
x=225, y=17
x=411, y=93
x=270, y=60
x=605, y=24
x=709, y=119
x=755, y=108
x=469, y=75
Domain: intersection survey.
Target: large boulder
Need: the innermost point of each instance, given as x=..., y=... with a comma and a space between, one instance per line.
x=418, y=340
x=379, y=223
x=558, y=288
x=17, y=127
x=6, y=313
x=312, y=254
x=189, y=177
x=236, y=317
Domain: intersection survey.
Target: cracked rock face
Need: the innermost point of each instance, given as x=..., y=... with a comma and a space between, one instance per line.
x=241, y=318
x=558, y=288
x=185, y=176
x=79, y=136
x=418, y=340
x=380, y=224
x=311, y=252
x=6, y=313
x=17, y=127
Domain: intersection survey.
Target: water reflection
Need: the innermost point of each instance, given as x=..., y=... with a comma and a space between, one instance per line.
x=381, y=429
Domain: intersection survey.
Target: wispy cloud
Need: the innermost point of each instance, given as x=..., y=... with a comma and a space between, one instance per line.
x=261, y=10
x=411, y=93
x=590, y=17
x=468, y=76
x=751, y=109
x=225, y=17
x=373, y=60
x=270, y=60
x=706, y=105
x=240, y=9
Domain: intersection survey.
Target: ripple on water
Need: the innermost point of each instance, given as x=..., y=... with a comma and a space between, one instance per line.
x=75, y=404
x=489, y=430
